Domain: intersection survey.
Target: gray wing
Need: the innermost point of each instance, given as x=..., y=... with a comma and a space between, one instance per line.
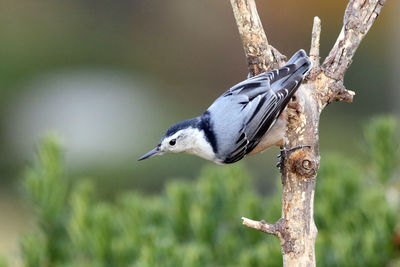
x=257, y=85
x=261, y=113
x=263, y=98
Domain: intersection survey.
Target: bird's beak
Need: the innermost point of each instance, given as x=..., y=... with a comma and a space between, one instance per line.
x=156, y=151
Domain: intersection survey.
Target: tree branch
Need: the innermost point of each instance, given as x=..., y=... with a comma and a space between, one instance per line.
x=358, y=19
x=259, y=54
x=315, y=44
x=296, y=229
x=262, y=226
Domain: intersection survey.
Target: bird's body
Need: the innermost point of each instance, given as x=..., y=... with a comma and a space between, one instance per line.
x=245, y=120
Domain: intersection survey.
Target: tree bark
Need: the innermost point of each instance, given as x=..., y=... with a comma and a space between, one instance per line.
x=324, y=84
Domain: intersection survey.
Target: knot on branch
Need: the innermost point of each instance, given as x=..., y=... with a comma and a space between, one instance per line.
x=302, y=163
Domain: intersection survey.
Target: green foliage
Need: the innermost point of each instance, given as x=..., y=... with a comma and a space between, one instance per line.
x=198, y=223
x=3, y=262
x=382, y=146
x=355, y=223
x=47, y=189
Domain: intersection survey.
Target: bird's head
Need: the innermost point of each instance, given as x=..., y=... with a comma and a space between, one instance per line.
x=185, y=136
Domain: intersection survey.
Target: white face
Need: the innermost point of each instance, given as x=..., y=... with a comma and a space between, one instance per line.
x=188, y=140
x=176, y=143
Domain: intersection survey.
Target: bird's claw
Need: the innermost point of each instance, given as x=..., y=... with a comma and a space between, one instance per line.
x=279, y=164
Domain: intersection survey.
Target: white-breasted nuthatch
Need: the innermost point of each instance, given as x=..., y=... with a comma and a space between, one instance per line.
x=246, y=119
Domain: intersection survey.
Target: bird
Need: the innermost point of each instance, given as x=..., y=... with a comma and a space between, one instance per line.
x=245, y=120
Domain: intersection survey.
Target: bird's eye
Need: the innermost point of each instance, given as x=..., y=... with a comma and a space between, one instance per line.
x=172, y=142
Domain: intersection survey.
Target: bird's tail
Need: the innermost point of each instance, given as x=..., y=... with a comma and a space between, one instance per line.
x=301, y=60
x=291, y=75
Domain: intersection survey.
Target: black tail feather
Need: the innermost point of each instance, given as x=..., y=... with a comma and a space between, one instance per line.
x=293, y=72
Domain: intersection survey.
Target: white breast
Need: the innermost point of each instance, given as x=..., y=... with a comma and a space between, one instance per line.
x=199, y=146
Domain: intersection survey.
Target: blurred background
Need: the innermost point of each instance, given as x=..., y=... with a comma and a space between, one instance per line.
x=111, y=76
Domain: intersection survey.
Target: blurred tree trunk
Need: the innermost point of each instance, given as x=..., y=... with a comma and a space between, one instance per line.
x=296, y=228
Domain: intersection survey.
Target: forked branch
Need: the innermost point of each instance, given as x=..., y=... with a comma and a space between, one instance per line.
x=296, y=229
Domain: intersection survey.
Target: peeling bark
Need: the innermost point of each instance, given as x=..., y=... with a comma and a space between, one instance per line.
x=296, y=229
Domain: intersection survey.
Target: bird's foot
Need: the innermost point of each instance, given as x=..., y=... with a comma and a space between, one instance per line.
x=285, y=153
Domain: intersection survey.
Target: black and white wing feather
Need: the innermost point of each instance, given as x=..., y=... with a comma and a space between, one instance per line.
x=264, y=97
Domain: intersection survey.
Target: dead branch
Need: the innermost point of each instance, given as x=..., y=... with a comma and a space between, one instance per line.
x=358, y=19
x=296, y=229
x=314, y=51
x=273, y=229
x=259, y=54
